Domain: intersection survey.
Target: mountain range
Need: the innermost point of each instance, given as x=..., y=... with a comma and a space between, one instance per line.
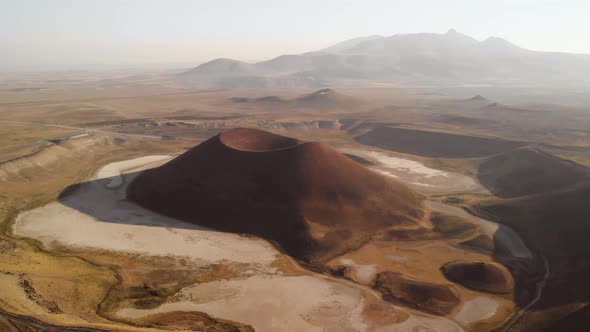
x=449, y=58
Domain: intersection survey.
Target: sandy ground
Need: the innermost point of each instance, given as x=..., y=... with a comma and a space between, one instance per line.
x=415, y=174
x=422, y=260
x=302, y=303
x=422, y=324
x=476, y=309
x=97, y=216
x=13, y=295
x=503, y=235
x=419, y=260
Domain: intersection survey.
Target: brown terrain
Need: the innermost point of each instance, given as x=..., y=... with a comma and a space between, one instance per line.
x=314, y=201
x=528, y=149
x=434, y=298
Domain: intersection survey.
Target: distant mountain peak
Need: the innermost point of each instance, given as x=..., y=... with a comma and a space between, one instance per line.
x=499, y=44
x=478, y=98
x=350, y=44
x=454, y=35
x=222, y=65
x=402, y=57
x=326, y=91
x=222, y=61
x=493, y=39
x=218, y=60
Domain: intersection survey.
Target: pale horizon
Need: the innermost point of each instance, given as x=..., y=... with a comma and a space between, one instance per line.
x=67, y=34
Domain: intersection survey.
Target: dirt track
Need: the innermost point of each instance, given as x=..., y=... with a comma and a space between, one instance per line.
x=91, y=130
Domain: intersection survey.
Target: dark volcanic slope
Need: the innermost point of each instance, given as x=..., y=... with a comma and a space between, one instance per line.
x=555, y=224
x=434, y=144
x=306, y=196
x=528, y=171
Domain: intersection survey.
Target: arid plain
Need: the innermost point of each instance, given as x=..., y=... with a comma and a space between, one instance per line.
x=491, y=172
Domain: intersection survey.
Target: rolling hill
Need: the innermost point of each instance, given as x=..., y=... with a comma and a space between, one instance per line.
x=526, y=171
x=325, y=99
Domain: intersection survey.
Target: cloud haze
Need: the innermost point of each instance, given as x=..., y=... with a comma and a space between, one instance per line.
x=69, y=33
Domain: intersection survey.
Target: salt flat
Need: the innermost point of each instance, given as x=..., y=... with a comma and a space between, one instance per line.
x=270, y=303
x=476, y=309
x=363, y=273
x=415, y=174
x=97, y=216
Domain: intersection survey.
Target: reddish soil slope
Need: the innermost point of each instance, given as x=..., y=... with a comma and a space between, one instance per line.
x=314, y=201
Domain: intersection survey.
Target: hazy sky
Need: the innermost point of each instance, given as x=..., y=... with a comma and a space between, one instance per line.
x=75, y=33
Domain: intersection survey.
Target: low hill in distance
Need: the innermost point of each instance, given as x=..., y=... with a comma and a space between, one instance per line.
x=320, y=99
x=310, y=199
x=526, y=171
x=222, y=67
x=259, y=100
x=434, y=144
x=478, y=98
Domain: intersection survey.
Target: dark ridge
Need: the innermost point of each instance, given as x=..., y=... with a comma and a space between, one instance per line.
x=482, y=276
x=478, y=98
x=359, y=159
x=555, y=225
x=527, y=171
x=434, y=144
x=324, y=92
x=267, y=99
